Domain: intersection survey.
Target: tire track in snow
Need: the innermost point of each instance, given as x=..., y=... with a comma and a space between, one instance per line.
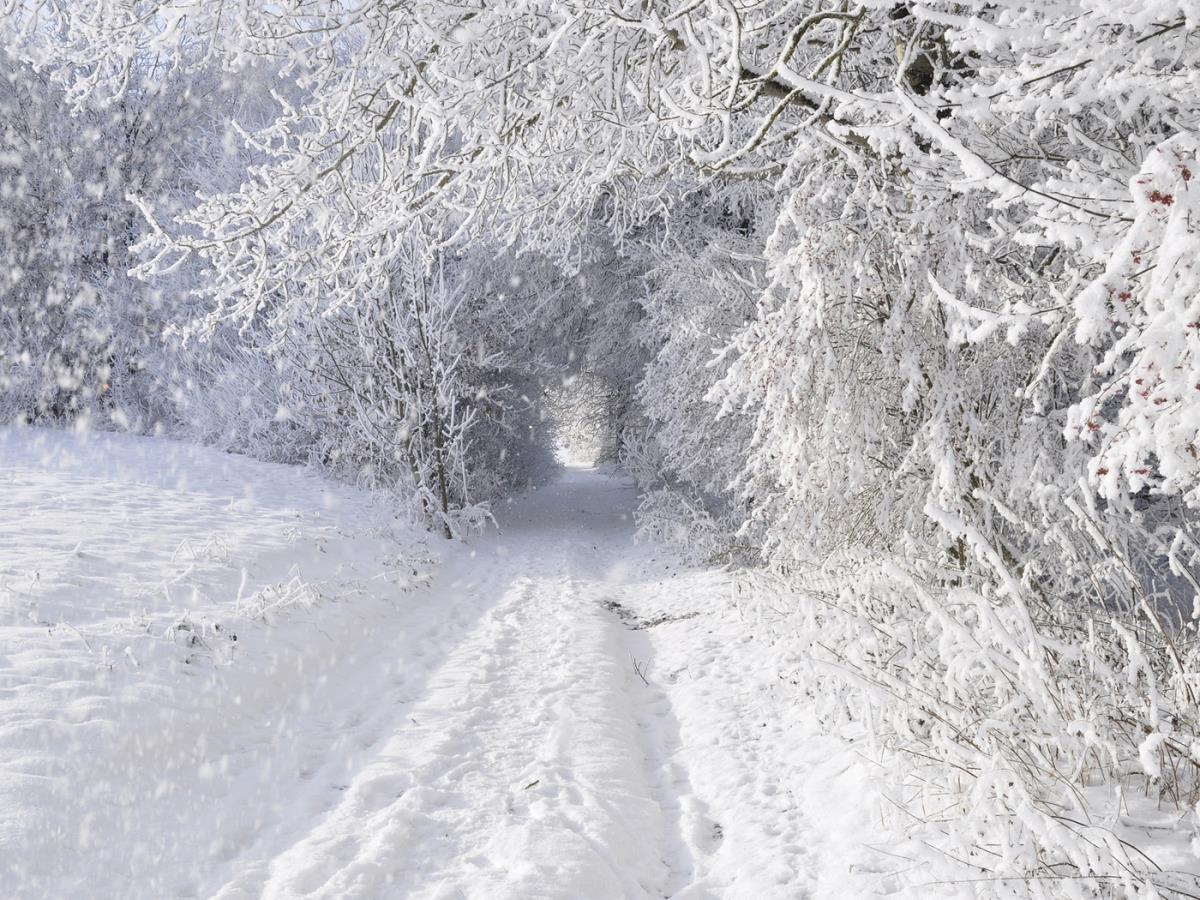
x=689, y=834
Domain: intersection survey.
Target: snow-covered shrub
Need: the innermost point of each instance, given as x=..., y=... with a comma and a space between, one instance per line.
x=705, y=274
x=80, y=339
x=398, y=391
x=59, y=343
x=1142, y=409
x=1023, y=745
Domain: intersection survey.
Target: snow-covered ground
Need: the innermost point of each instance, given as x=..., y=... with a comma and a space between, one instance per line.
x=221, y=678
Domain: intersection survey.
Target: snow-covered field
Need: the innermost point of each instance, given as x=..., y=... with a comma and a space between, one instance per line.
x=222, y=678
x=155, y=601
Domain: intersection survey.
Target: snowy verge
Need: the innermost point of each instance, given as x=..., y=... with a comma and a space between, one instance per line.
x=771, y=805
x=1001, y=766
x=789, y=783
x=152, y=595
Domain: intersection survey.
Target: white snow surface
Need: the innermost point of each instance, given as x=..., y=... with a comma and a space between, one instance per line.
x=558, y=713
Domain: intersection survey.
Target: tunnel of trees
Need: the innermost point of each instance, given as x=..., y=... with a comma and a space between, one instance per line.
x=895, y=304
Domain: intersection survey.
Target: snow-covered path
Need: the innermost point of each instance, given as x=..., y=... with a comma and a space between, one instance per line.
x=517, y=768
x=561, y=713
